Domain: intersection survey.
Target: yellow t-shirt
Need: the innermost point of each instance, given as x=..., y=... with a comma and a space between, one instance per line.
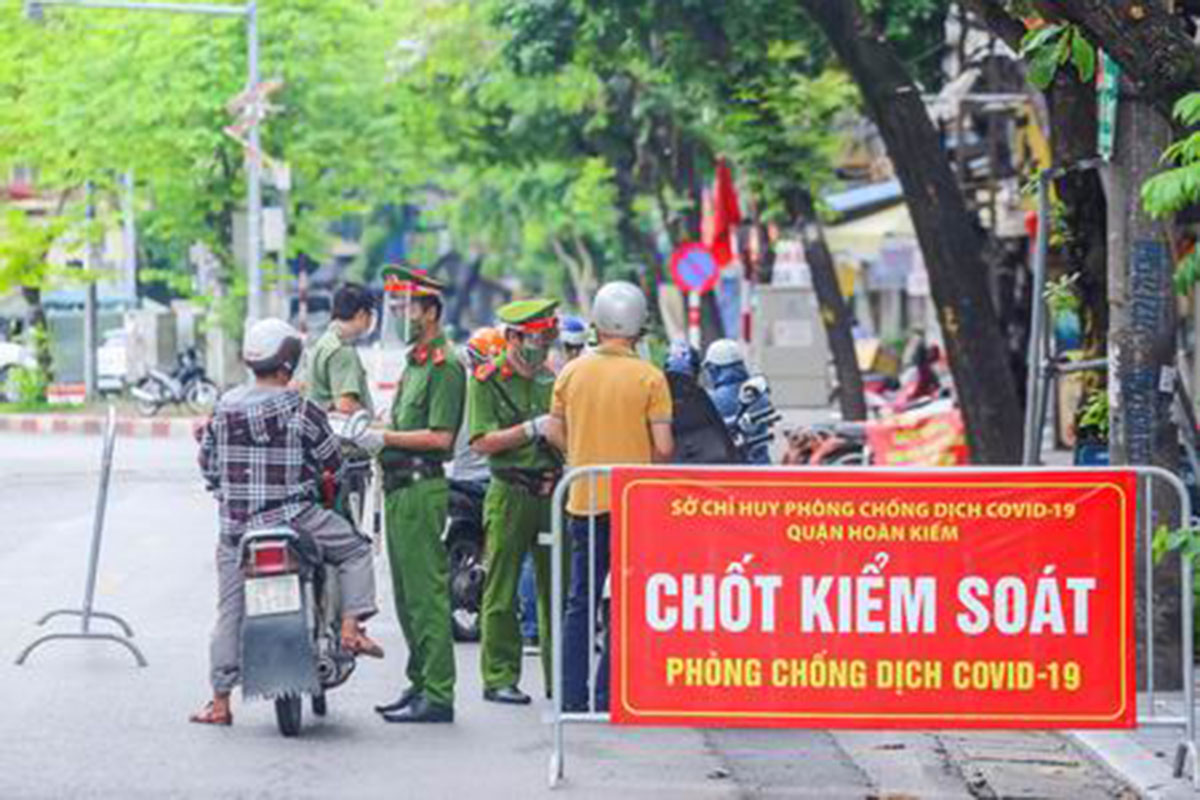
x=608, y=400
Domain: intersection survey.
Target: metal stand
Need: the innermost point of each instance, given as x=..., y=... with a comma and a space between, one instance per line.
x=88, y=612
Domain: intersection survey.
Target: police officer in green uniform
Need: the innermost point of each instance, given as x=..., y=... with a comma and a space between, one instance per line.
x=425, y=417
x=337, y=380
x=508, y=404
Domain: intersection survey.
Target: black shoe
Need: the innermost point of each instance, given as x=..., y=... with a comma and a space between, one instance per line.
x=507, y=694
x=403, y=701
x=421, y=710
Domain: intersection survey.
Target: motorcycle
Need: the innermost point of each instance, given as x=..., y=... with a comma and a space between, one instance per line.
x=463, y=538
x=756, y=418
x=291, y=630
x=186, y=384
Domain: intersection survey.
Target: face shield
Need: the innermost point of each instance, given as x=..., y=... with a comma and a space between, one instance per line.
x=535, y=338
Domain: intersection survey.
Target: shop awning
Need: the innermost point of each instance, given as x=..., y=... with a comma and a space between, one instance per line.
x=864, y=236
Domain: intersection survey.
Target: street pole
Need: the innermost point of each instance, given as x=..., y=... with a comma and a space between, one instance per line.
x=693, y=319
x=129, y=278
x=90, y=376
x=253, y=179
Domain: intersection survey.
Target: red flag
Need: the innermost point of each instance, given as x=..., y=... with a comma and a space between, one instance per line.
x=726, y=215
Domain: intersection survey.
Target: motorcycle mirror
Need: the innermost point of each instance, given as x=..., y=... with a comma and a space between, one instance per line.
x=357, y=424
x=752, y=389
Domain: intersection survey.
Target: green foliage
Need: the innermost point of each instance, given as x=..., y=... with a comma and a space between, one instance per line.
x=26, y=386
x=1094, y=414
x=89, y=94
x=1061, y=294
x=1187, y=272
x=1178, y=187
x=1186, y=542
x=1051, y=46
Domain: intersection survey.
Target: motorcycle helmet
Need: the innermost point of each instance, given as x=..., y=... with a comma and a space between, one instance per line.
x=683, y=359
x=484, y=345
x=723, y=353
x=619, y=310
x=270, y=345
x=573, y=331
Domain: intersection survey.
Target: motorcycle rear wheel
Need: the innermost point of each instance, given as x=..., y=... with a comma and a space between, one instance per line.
x=465, y=557
x=201, y=396
x=148, y=408
x=289, y=712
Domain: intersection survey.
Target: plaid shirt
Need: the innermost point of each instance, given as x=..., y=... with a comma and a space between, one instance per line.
x=263, y=457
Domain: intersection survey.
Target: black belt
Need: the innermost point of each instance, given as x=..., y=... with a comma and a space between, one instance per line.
x=400, y=477
x=532, y=481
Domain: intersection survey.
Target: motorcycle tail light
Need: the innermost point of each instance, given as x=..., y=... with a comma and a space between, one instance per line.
x=270, y=558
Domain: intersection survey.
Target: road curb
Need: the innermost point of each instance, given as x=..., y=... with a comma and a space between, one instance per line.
x=1136, y=765
x=89, y=425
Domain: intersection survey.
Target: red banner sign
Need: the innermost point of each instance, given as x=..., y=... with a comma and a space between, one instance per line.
x=928, y=440
x=871, y=599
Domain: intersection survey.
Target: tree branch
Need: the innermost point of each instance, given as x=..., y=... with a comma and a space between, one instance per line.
x=997, y=19
x=1148, y=42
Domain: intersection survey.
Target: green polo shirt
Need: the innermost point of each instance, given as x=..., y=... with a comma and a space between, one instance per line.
x=334, y=370
x=487, y=410
x=431, y=394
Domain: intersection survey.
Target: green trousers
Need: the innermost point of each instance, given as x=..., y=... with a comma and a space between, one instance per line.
x=416, y=515
x=512, y=521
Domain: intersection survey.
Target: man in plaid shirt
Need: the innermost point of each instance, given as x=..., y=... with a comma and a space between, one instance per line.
x=263, y=455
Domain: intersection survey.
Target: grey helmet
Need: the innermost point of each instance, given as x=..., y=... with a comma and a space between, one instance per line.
x=619, y=310
x=271, y=344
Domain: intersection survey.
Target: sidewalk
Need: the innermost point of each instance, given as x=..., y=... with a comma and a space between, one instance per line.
x=92, y=424
x=1144, y=757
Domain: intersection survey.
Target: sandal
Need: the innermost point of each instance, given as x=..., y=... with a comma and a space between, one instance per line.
x=208, y=716
x=361, y=645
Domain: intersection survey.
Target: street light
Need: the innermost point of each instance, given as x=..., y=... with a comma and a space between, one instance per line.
x=34, y=10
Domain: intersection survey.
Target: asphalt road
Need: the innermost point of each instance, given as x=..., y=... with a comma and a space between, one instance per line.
x=81, y=720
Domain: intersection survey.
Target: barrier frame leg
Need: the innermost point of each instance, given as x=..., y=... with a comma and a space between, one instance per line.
x=105, y=637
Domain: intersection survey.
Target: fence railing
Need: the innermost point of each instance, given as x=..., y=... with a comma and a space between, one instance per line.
x=590, y=549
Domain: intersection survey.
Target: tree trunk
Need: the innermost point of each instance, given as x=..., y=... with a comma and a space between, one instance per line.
x=1141, y=350
x=835, y=313
x=39, y=332
x=949, y=241
x=1148, y=41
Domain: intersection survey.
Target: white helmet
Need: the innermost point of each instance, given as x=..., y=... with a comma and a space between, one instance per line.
x=272, y=344
x=619, y=309
x=723, y=352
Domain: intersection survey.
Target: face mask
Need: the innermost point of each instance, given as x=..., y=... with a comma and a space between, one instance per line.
x=533, y=355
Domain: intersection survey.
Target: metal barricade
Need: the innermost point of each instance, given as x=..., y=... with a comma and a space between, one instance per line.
x=88, y=612
x=1154, y=707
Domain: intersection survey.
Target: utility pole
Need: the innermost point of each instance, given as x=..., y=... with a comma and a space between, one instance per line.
x=253, y=178
x=129, y=237
x=90, y=326
x=35, y=10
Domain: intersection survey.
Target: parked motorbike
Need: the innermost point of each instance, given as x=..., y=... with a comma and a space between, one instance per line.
x=839, y=444
x=186, y=384
x=757, y=416
x=463, y=538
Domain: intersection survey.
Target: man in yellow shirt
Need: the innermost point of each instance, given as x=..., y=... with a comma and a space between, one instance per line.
x=609, y=407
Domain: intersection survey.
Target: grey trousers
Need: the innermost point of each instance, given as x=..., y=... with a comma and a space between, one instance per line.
x=340, y=545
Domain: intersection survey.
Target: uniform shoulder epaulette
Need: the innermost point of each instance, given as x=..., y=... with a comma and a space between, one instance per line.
x=485, y=371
